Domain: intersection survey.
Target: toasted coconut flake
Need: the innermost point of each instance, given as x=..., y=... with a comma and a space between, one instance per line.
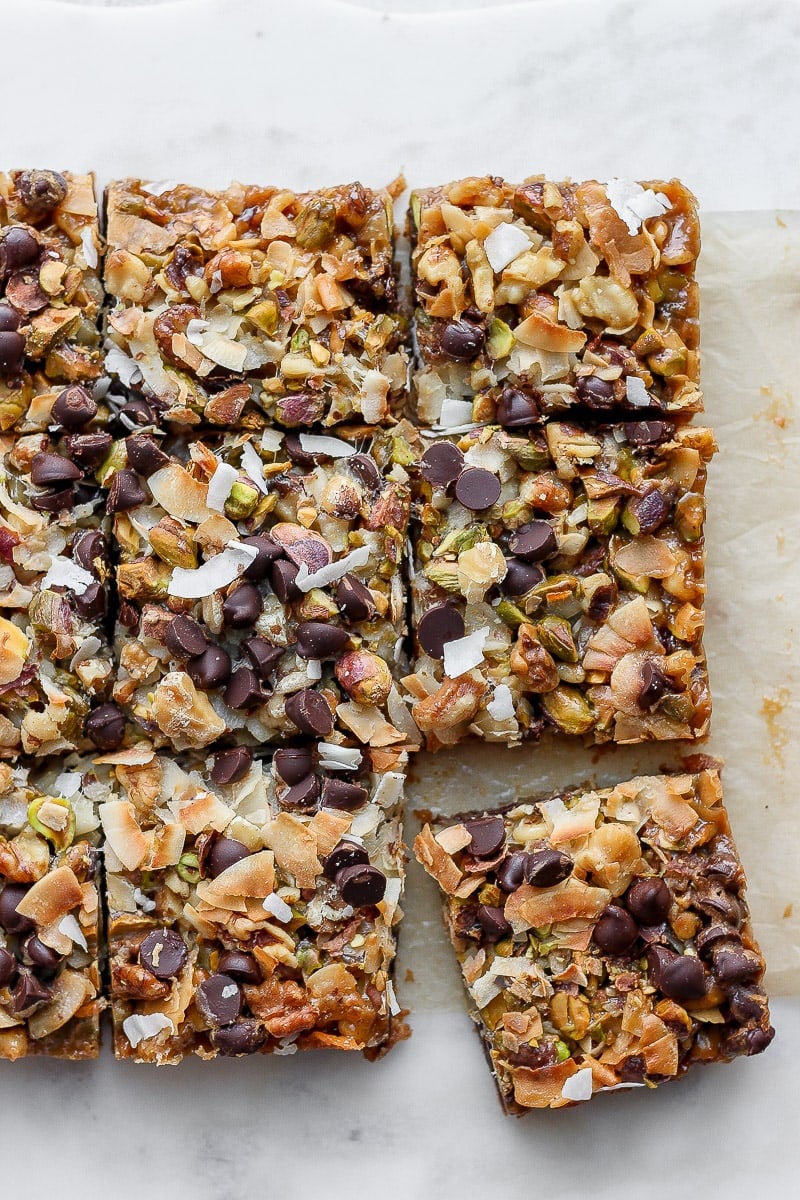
x=126, y=839
x=462, y=654
x=179, y=493
x=69, y=926
x=529, y=907
x=140, y=1027
x=648, y=555
x=539, y=333
x=454, y=838
x=368, y=724
x=295, y=848
x=70, y=991
x=436, y=861
x=51, y=897
x=211, y=576
x=329, y=826
x=219, y=486
x=485, y=989
x=66, y=573
x=306, y=580
x=578, y=1086
x=541, y=1087
x=252, y=876
x=165, y=846
x=202, y=810
x=331, y=447
x=672, y=814
x=574, y=822
x=137, y=756
x=504, y=244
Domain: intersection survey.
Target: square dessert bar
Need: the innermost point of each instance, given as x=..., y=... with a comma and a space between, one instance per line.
x=558, y=583
x=252, y=904
x=50, y=988
x=603, y=936
x=255, y=301
x=534, y=299
x=50, y=291
x=260, y=586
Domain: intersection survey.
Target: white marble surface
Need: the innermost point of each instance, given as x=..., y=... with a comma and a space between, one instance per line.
x=315, y=91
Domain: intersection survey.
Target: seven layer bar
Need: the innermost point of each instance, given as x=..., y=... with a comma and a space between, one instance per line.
x=252, y=905
x=603, y=936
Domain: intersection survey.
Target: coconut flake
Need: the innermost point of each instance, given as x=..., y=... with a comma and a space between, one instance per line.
x=118, y=363
x=454, y=413
x=279, y=909
x=331, y=447
x=578, y=1086
x=143, y=902
x=485, y=989
x=391, y=999
x=314, y=669
x=141, y=1026
x=333, y=571
x=68, y=783
x=195, y=330
x=374, y=391
x=462, y=654
x=218, y=572
x=87, y=649
x=70, y=928
x=636, y=393
x=271, y=441
x=89, y=248
x=635, y=204
x=254, y=467
x=159, y=187
x=219, y=486
x=501, y=706
x=338, y=758
x=504, y=244
x=64, y=572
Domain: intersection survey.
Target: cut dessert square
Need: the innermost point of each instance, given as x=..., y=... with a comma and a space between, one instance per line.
x=50, y=988
x=50, y=291
x=260, y=586
x=603, y=936
x=534, y=299
x=558, y=583
x=252, y=904
x=252, y=302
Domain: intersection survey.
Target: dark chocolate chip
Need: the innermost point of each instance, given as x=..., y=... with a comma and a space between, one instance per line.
x=521, y=576
x=88, y=449
x=477, y=489
x=515, y=410
x=511, y=872
x=240, y=966
x=615, y=931
x=361, y=885
x=534, y=541
x=297, y=455
x=648, y=433
x=242, y=607
x=184, y=637
x=267, y=553
x=91, y=602
x=633, y=1069
x=41, y=191
x=105, y=727
x=125, y=491
x=263, y=655
x=28, y=991
x=12, y=352
x=546, y=868
x=219, y=1000
x=56, y=500
x=595, y=392
x=243, y=1037
x=39, y=955
x=10, y=919
x=139, y=412
x=318, y=639
x=355, y=599
x=441, y=464
x=648, y=900
x=89, y=550
x=493, y=923
x=74, y=408
x=310, y=712
x=223, y=853
x=344, y=854
x=733, y=964
x=654, y=685
x=757, y=1040
x=684, y=978
x=302, y=796
x=230, y=766
x=747, y=1004
x=211, y=669
x=711, y=935
x=18, y=248
x=366, y=470
x=49, y=469
x=8, y=967
x=144, y=454
x=463, y=339
x=163, y=952
x=292, y=765
x=282, y=576
x=9, y=319
x=337, y=793
x=243, y=689
x=487, y=835
x=442, y=623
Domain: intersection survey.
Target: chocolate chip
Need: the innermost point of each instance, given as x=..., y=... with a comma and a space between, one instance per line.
x=463, y=339
x=18, y=249
x=595, y=392
x=310, y=712
x=219, y=1000
x=654, y=685
x=90, y=551
x=88, y=449
x=56, y=500
x=242, y=607
x=493, y=923
x=511, y=872
x=211, y=669
x=139, y=412
x=442, y=623
x=534, y=541
x=74, y=408
x=546, y=868
x=41, y=191
x=515, y=410
x=318, y=639
x=649, y=900
x=355, y=599
x=344, y=854
x=282, y=576
x=105, y=727
x=733, y=964
x=477, y=489
x=144, y=454
x=49, y=469
x=521, y=576
x=184, y=637
x=757, y=1040
x=615, y=931
x=9, y=319
x=243, y=1037
x=747, y=1004
x=267, y=552
x=683, y=978
x=487, y=835
x=263, y=655
x=302, y=796
x=243, y=689
x=298, y=456
x=240, y=966
x=91, y=602
x=711, y=935
x=39, y=955
x=361, y=885
x=366, y=470
x=8, y=967
x=163, y=952
x=125, y=491
x=648, y=433
x=230, y=766
x=12, y=353
x=223, y=852
x=441, y=464
x=293, y=765
x=337, y=793
x=10, y=919
x=27, y=991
